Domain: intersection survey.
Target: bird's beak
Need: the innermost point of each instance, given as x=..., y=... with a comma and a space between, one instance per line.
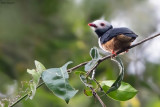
x=92, y=25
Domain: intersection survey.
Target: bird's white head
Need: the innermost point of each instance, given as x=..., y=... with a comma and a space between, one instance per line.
x=100, y=26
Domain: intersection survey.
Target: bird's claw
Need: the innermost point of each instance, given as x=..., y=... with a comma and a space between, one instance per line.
x=127, y=50
x=114, y=54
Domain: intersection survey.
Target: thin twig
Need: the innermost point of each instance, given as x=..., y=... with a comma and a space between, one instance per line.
x=24, y=96
x=96, y=95
x=76, y=67
x=93, y=68
x=149, y=38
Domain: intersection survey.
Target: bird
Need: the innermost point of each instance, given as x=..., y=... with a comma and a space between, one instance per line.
x=112, y=39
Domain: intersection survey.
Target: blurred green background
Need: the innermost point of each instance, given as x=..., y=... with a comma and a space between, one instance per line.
x=56, y=31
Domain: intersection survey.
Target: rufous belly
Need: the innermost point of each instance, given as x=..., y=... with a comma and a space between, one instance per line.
x=117, y=43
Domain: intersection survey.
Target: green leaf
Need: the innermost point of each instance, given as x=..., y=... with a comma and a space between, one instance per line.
x=88, y=92
x=90, y=64
x=94, y=53
x=79, y=72
x=39, y=67
x=123, y=93
x=56, y=79
x=36, y=74
x=117, y=83
x=84, y=80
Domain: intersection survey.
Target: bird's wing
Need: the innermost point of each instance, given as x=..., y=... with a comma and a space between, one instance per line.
x=124, y=31
x=118, y=31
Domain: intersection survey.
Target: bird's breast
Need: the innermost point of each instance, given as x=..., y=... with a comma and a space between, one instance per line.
x=100, y=45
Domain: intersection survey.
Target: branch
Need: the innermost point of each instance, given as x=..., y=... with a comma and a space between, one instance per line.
x=99, y=86
x=149, y=38
x=76, y=67
x=96, y=95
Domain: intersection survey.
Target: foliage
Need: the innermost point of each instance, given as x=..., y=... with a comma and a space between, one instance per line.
x=123, y=93
x=117, y=83
x=36, y=74
x=94, y=53
x=56, y=80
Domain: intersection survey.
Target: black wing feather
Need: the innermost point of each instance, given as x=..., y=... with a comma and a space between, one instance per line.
x=117, y=31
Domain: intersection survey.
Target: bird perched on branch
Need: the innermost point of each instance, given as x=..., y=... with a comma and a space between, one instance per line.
x=112, y=39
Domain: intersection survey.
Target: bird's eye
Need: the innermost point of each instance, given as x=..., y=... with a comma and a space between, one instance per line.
x=102, y=24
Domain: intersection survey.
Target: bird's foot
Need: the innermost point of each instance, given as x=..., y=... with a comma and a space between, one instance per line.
x=127, y=50
x=114, y=54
